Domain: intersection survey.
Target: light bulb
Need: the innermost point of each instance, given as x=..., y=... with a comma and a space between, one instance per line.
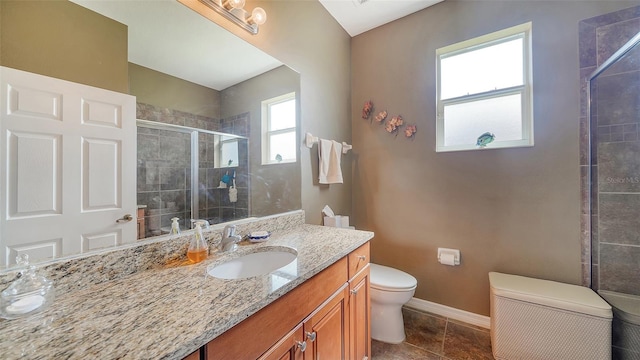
x=258, y=16
x=236, y=4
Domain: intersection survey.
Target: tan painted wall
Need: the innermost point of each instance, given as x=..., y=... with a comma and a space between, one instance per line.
x=153, y=87
x=304, y=36
x=66, y=41
x=507, y=210
x=268, y=182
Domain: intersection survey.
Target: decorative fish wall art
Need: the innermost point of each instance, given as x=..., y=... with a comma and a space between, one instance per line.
x=485, y=139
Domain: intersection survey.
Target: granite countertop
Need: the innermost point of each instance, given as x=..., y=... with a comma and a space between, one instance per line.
x=168, y=313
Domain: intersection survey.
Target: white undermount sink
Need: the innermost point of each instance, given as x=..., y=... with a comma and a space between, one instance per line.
x=253, y=264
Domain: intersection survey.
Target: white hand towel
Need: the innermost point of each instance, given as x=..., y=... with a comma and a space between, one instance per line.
x=329, y=156
x=233, y=192
x=324, y=154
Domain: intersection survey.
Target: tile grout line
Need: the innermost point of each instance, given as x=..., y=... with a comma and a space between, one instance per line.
x=421, y=348
x=444, y=336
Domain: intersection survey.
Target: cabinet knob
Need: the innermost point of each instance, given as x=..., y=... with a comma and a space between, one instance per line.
x=354, y=291
x=311, y=336
x=362, y=257
x=302, y=345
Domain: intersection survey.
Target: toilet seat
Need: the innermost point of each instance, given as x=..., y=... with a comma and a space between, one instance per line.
x=389, y=279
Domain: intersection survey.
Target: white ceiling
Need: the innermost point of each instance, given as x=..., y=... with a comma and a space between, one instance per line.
x=166, y=36
x=358, y=16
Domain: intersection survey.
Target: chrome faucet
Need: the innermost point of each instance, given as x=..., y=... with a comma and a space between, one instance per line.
x=229, y=239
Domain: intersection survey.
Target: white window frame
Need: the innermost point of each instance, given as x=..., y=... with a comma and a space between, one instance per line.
x=267, y=132
x=521, y=31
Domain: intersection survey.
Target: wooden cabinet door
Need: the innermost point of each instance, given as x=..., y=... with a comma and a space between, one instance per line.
x=193, y=356
x=291, y=347
x=360, y=316
x=327, y=329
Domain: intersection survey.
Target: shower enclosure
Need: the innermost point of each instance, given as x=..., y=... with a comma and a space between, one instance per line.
x=187, y=173
x=613, y=91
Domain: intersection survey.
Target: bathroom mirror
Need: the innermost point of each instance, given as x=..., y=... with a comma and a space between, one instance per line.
x=228, y=111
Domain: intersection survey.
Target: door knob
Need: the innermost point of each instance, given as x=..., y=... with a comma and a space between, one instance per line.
x=125, y=219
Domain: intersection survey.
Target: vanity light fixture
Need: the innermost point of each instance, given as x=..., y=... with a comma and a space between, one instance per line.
x=233, y=10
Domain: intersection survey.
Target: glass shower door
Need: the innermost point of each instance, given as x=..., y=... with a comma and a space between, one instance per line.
x=164, y=178
x=615, y=125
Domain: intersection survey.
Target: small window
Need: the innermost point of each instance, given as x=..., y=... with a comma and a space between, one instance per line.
x=484, y=86
x=228, y=151
x=279, y=129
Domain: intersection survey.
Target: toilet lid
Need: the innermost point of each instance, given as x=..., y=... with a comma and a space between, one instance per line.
x=387, y=278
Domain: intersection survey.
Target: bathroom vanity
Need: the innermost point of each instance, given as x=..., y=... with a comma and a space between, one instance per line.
x=326, y=317
x=175, y=310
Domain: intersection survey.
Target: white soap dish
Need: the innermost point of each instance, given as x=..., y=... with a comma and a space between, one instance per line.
x=259, y=236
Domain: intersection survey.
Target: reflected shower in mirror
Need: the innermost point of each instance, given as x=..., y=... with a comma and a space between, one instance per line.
x=170, y=157
x=216, y=88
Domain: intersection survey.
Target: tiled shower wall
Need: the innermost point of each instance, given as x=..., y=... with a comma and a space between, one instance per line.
x=164, y=171
x=610, y=236
x=611, y=244
x=214, y=203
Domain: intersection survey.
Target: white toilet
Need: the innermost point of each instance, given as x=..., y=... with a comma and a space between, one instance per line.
x=390, y=289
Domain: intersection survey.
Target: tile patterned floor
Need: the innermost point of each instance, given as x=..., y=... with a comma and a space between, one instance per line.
x=433, y=337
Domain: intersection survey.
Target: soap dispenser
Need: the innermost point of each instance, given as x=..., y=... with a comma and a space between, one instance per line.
x=27, y=295
x=198, y=247
x=175, y=227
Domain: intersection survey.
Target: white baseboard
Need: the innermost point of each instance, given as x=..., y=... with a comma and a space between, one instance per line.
x=449, y=312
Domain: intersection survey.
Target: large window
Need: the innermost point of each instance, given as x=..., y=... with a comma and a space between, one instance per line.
x=279, y=129
x=484, y=86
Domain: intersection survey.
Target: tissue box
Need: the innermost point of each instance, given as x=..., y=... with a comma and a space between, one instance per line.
x=337, y=221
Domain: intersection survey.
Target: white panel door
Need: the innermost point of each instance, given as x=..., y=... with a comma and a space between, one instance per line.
x=68, y=162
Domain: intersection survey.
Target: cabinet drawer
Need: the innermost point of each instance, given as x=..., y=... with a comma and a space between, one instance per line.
x=358, y=259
